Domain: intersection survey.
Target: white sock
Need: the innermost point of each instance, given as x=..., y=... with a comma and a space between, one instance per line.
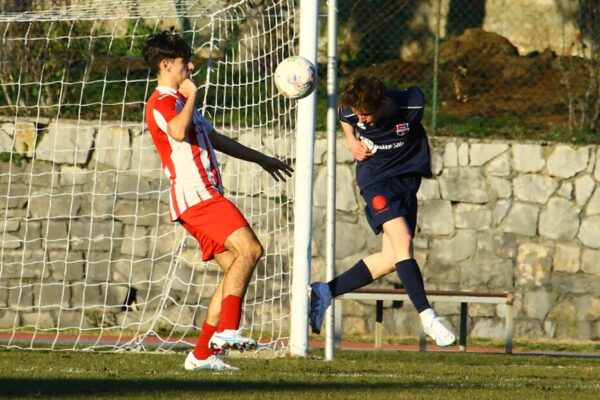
x=427, y=316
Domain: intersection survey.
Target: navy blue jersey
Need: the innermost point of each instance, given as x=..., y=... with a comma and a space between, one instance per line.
x=398, y=143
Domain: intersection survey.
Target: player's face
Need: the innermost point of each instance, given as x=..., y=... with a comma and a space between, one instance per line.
x=181, y=69
x=365, y=117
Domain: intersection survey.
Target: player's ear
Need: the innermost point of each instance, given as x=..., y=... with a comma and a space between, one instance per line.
x=164, y=65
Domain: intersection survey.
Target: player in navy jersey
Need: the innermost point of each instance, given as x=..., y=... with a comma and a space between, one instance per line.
x=383, y=131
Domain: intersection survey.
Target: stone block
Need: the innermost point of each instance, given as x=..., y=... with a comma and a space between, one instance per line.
x=500, y=166
x=137, y=212
x=55, y=234
x=522, y=219
x=451, y=155
x=566, y=258
x=436, y=217
x=488, y=328
x=20, y=298
x=559, y=220
x=9, y=319
x=534, y=265
x=589, y=231
x=472, y=216
x=500, y=187
x=39, y=320
x=135, y=241
x=66, y=266
x=534, y=188
x=590, y=261
x=453, y=250
x=501, y=210
x=579, y=283
x=565, y=161
x=113, y=147
x=537, y=303
x=429, y=190
x=566, y=190
x=593, y=206
x=71, y=176
x=464, y=184
x=584, y=187
x=463, y=154
x=132, y=186
x=96, y=235
x=66, y=142
x=481, y=153
x=528, y=157
x=487, y=274
x=345, y=184
x=529, y=328
x=51, y=296
x=87, y=295
x=144, y=158
x=44, y=203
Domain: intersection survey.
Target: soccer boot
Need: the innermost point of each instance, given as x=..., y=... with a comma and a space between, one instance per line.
x=320, y=298
x=213, y=363
x=231, y=339
x=439, y=332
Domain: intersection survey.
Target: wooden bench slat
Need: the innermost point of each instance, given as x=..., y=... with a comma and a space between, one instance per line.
x=436, y=292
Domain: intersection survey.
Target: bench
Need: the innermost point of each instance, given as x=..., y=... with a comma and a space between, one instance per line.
x=463, y=297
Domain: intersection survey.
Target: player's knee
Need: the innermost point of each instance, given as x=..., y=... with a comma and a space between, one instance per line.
x=252, y=252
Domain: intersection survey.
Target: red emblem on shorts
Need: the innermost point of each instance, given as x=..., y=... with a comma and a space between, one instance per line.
x=379, y=202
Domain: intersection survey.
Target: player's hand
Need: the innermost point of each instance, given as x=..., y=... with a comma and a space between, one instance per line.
x=278, y=169
x=188, y=88
x=359, y=150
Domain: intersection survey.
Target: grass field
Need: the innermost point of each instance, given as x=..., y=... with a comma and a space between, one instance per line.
x=354, y=374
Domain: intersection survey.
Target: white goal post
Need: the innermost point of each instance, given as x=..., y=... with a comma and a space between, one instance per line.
x=89, y=259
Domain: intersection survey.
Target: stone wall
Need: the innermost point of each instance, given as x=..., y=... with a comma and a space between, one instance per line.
x=93, y=224
x=497, y=216
x=86, y=239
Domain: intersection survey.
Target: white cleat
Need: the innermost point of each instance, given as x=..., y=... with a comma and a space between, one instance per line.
x=213, y=363
x=231, y=339
x=439, y=332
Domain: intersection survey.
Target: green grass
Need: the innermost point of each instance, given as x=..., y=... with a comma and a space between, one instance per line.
x=354, y=374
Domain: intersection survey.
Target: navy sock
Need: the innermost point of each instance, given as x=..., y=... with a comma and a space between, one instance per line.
x=410, y=275
x=356, y=277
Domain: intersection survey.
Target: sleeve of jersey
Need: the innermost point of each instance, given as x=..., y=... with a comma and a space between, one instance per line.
x=346, y=115
x=167, y=108
x=412, y=104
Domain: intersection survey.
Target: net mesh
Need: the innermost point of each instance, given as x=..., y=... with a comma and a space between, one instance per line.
x=89, y=258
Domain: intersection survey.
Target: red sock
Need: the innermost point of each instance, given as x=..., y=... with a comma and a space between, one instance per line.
x=231, y=311
x=201, y=351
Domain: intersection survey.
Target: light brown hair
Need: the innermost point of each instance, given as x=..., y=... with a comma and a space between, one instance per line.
x=363, y=94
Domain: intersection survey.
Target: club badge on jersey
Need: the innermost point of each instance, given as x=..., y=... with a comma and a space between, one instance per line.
x=402, y=128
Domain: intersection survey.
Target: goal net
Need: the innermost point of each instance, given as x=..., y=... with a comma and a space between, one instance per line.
x=88, y=256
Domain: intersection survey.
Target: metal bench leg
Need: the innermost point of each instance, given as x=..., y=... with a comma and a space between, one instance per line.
x=422, y=339
x=379, y=324
x=464, y=312
x=509, y=328
x=337, y=318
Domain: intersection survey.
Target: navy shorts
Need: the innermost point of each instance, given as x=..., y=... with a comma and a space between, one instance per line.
x=395, y=197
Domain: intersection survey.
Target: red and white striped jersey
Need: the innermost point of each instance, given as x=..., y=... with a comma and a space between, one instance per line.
x=190, y=165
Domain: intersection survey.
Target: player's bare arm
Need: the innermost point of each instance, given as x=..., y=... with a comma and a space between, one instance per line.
x=358, y=149
x=278, y=169
x=178, y=126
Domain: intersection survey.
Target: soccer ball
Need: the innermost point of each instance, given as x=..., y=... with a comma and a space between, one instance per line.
x=295, y=77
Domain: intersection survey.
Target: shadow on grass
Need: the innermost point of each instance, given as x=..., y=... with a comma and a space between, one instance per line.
x=73, y=387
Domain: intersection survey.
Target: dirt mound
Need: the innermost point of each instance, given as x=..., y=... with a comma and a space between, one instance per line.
x=483, y=75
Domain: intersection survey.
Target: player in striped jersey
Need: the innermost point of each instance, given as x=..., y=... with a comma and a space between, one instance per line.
x=185, y=142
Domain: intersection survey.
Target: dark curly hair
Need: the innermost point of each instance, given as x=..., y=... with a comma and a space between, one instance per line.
x=165, y=45
x=364, y=94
